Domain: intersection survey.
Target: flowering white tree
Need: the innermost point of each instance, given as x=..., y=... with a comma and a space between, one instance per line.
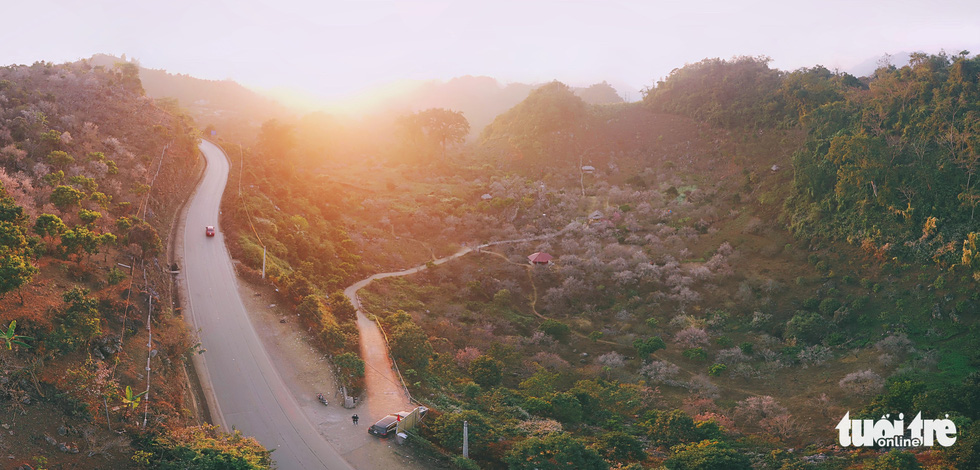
x=691, y=337
x=864, y=383
x=660, y=372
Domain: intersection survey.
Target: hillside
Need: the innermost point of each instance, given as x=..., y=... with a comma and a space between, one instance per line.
x=726, y=281
x=222, y=104
x=92, y=174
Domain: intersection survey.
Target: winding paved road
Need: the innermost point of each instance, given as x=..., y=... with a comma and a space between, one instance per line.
x=244, y=390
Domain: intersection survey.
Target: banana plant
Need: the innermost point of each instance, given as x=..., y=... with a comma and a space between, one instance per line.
x=130, y=400
x=11, y=338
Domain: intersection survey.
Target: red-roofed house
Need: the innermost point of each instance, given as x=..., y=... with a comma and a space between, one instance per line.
x=540, y=258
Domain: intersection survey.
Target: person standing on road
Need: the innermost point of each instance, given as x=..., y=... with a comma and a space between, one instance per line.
x=354, y=419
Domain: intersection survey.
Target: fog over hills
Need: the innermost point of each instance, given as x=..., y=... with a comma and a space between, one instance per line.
x=224, y=102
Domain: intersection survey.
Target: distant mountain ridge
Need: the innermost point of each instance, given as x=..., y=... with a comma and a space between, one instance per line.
x=228, y=105
x=479, y=98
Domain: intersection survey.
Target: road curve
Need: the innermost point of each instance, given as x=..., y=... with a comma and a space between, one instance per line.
x=244, y=389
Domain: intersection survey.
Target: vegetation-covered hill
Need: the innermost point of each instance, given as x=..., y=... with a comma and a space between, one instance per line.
x=92, y=174
x=727, y=280
x=224, y=105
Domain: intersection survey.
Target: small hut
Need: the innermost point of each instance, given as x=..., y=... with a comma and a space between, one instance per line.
x=540, y=258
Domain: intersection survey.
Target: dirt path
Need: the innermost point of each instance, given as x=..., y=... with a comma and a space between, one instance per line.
x=307, y=371
x=384, y=392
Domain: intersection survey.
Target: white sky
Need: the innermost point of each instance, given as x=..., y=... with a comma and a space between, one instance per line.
x=333, y=48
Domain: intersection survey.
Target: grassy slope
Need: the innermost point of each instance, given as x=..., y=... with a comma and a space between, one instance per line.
x=681, y=154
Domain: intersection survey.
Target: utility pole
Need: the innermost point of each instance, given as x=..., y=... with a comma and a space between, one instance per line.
x=466, y=440
x=241, y=168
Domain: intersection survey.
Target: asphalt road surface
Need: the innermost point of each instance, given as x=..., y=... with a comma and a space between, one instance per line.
x=245, y=391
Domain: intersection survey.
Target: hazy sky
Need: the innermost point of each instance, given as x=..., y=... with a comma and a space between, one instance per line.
x=335, y=47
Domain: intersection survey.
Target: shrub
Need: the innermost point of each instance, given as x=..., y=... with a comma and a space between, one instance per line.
x=696, y=354
x=115, y=276
x=544, y=452
x=463, y=463
x=486, y=371
x=717, y=369
x=828, y=306
x=645, y=348
x=448, y=431
x=807, y=326
x=707, y=455
x=349, y=366
x=566, y=407
x=669, y=428
x=556, y=329
x=202, y=447
x=895, y=460
x=618, y=445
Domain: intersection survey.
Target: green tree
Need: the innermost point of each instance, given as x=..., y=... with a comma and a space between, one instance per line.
x=64, y=197
x=88, y=217
x=486, y=371
x=556, y=329
x=49, y=225
x=78, y=241
x=807, y=326
x=146, y=238
x=553, y=452
x=966, y=452
x=15, y=272
x=349, y=366
x=448, y=430
x=101, y=199
x=707, y=455
x=84, y=183
x=60, y=159
x=343, y=309
x=410, y=345
x=434, y=127
x=79, y=323
x=201, y=448
x=54, y=178
x=15, y=267
x=644, y=348
x=566, y=407
x=670, y=428
x=618, y=445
